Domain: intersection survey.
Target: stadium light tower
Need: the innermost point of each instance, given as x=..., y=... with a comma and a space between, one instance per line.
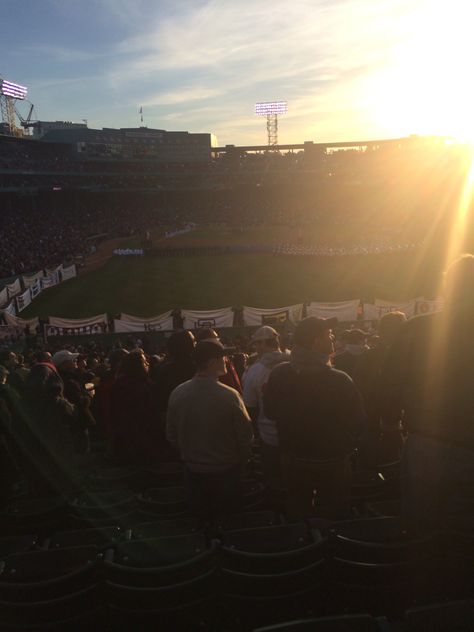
x=271, y=109
x=10, y=93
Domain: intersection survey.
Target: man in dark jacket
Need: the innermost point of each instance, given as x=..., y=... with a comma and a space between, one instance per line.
x=428, y=382
x=319, y=415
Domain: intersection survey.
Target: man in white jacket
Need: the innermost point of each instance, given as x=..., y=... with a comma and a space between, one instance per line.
x=254, y=381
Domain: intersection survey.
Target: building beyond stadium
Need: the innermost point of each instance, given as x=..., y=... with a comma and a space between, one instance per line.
x=128, y=143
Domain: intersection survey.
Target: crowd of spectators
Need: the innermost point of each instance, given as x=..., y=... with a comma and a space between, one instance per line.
x=315, y=409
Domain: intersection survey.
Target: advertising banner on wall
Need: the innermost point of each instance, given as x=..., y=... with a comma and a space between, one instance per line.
x=253, y=316
x=212, y=318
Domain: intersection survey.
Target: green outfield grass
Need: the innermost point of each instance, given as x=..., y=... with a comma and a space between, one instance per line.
x=148, y=286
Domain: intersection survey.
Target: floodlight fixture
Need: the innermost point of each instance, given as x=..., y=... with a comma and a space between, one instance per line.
x=13, y=90
x=271, y=109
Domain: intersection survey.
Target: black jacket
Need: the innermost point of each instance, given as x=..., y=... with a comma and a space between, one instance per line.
x=319, y=413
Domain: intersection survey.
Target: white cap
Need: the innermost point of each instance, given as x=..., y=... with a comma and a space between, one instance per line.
x=265, y=333
x=63, y=356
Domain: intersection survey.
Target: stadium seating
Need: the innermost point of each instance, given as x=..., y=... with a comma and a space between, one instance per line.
x=342, y=623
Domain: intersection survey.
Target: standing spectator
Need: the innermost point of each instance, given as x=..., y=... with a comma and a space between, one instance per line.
x=132, y=416
x=428, y=378
x=230, y=376
x=74, y=391
x=210, y=426
x=14, y=379
x=354, y=348
x=380, y=444
x=319, y=415
x=46, y=439
x=255, y=379
x=176, y=369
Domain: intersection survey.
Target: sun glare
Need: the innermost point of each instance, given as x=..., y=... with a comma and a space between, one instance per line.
x=426, y=87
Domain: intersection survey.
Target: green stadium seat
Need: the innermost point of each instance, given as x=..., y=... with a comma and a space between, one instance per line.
x=341, y=623
x=42, y=575
x=160, y=561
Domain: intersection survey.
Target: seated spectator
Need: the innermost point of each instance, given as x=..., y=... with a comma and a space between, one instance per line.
x=319, y=415
x=208, y=422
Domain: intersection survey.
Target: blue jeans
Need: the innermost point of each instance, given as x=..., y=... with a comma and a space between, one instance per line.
x=437, y=482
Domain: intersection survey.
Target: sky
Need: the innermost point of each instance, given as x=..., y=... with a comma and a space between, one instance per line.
x=349, y=69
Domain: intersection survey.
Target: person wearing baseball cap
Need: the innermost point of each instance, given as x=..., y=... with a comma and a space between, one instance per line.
x=208, y=422
x=319, y=416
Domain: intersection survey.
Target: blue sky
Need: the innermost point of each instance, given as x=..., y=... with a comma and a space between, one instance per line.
x=349, y=69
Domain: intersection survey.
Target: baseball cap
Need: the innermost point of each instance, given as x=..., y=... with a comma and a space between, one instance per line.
x=310, y=328
x=63, y=356
x=264, y=333
x=208, y=350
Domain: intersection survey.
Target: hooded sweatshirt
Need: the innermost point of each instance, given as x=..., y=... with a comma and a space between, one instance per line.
x=254, y=382
x=317, y=409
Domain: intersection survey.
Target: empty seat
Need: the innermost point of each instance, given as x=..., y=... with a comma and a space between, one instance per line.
x=276, y=548
x=249, y=519
x=342, y=623
x=271, y=573
x=17, y=544
x=100, y=537
x=131, y=478
x=102, y=504
x=366, y=485
x=164, y=528
x=160, y=561
x=40, y=575
x=452, y=616
x=35, y=515
x=163, y=501
x=376, y=565
x=21, y=615
x=384, y=508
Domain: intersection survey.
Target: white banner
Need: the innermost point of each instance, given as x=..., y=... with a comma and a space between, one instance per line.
x=52, y=330
x=35, y=289
x=407, y=307
x=376, y=311
x=70, y=272
x=23, y=300
x=3, y=297
x=428, y=306
x=50, y=280
x=129, y=323
x=194, y=319
x=32, y=279
x=344, y=311
x=75, y=323
x=10, y=309
x=13, y=288
x=14, y=321
x=54, y=271
x=255, y=317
